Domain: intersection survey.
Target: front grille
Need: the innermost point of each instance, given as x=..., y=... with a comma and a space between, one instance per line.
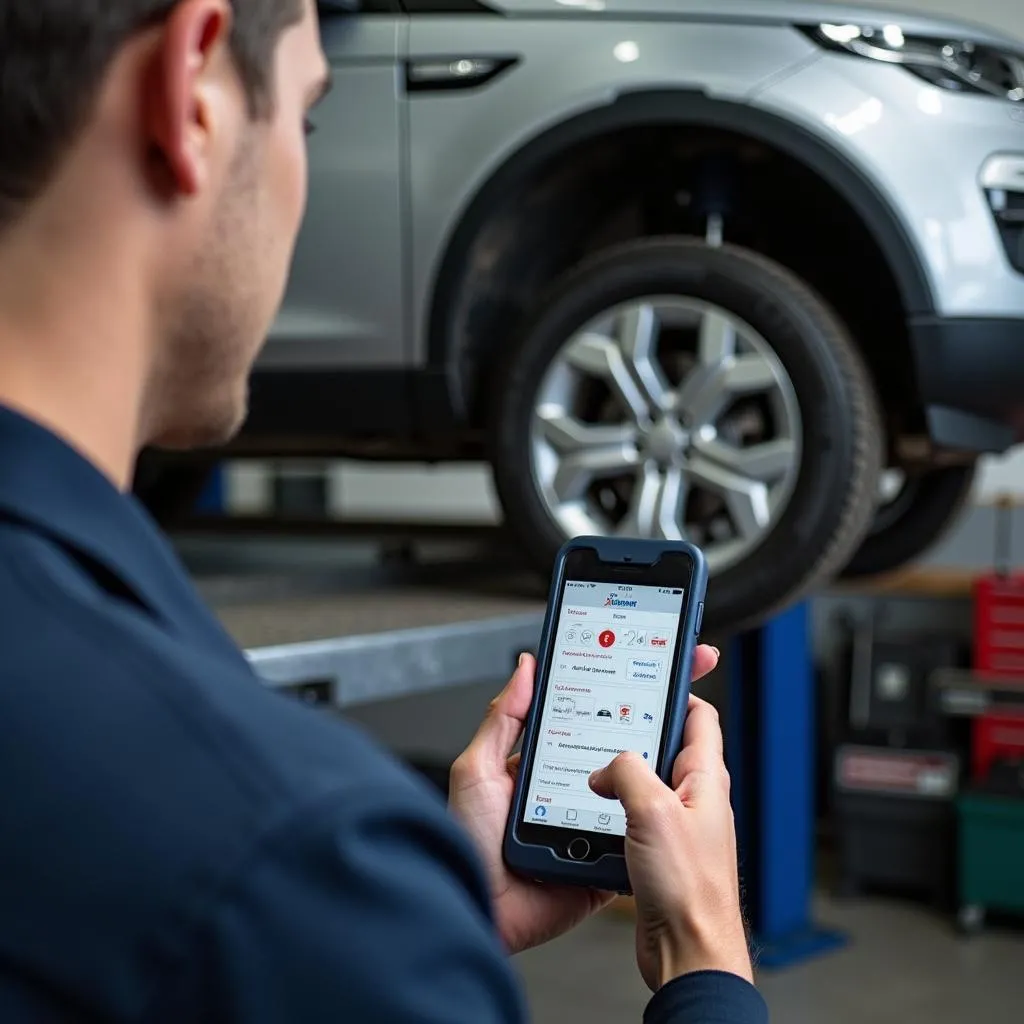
x=1008, y=209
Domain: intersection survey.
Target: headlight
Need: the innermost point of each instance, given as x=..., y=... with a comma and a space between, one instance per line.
x=959, y=65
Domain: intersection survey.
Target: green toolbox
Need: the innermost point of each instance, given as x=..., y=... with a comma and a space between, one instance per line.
x=991, y=856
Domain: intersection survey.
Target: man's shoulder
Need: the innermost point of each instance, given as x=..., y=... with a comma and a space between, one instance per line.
x=138, y=714
x=147, y=776
x=104, y=676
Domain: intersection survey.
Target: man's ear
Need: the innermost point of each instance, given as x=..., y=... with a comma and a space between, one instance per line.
x=190, y=68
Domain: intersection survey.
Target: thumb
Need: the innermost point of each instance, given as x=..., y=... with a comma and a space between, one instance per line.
x=629, y=779
x=503, y=725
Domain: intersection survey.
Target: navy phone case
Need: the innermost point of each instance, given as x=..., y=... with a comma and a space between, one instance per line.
x=608, y=872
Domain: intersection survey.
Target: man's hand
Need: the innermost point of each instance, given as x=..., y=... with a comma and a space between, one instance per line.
x=480, y=795
x=681, y=854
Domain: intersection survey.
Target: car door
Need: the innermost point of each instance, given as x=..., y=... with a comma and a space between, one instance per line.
x=343, y=307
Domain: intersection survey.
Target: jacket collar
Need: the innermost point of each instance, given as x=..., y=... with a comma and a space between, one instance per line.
x=51, y=488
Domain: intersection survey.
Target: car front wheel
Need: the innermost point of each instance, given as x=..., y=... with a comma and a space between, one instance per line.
x=674, y=390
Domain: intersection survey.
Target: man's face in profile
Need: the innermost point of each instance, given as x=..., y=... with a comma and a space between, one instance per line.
x=240, y=240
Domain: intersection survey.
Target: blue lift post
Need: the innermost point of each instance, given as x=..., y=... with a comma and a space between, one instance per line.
x=212, y=500
x=770, y=748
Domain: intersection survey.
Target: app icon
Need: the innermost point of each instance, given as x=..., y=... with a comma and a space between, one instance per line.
x=604, y=819
x=604, y=713
x=648, y=717
x=607, y=638
x=571, y=636
x=625, y=713
x=570, y=815
x=587, y=636
x=539, y=811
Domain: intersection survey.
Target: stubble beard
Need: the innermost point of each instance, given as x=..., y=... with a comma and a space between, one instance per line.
x=211, y=334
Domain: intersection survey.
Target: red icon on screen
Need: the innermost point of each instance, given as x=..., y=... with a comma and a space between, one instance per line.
x=607, y=638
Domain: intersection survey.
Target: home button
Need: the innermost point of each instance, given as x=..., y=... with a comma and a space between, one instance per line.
x=579, y=849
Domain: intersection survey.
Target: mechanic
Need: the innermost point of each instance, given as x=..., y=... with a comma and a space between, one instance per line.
x=177, y=842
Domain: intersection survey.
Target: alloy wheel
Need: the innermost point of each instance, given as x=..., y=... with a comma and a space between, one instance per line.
x=668, y=417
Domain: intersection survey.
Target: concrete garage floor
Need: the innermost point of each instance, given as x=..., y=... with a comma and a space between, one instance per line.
x=903, y=965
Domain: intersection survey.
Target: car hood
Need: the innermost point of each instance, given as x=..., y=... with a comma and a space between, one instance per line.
x=759, y=11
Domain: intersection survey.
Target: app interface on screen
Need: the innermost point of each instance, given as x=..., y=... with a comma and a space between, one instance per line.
x=606, y=693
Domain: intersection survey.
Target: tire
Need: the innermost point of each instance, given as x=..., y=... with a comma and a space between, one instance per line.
x=913, y=522
x=833, y=498
x=169, y=489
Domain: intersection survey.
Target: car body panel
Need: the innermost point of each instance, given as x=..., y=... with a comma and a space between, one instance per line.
x=763, y=12
x=865, y=110
x=457, y=140
x=345, y=297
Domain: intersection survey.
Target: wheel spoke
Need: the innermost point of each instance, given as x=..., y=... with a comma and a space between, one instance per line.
x=765, y=462
x=745, y=499
x=601, y=357
x=716, y=342
x=708, y=389
x=749, y=374
x=749, y=510
x=703, y=396
x=671, y=505
x=638, y=333
x=568, y=435
x=586, y=451
x=577, y=472
x=643, y=507
x=657, y=505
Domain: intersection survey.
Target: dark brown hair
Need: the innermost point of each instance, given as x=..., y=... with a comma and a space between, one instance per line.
x=55, y=53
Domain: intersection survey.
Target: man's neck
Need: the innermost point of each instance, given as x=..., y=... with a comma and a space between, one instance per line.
x=77, y=317
x=72, y=354
x=75, y=409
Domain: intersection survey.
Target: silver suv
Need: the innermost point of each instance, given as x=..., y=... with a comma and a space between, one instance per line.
x=746, y=271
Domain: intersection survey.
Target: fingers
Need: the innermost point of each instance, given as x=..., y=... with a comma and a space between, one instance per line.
x=703, y=729
x=703, y=747
x=502, y=726
x=705, y=660
x=629, y=779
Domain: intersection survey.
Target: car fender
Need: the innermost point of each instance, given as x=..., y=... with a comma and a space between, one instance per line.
x=668, y=107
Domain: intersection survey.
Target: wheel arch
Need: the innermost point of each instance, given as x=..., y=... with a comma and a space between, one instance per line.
x=660, y=108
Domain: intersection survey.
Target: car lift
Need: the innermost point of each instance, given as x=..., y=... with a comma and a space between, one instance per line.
x=770, y=744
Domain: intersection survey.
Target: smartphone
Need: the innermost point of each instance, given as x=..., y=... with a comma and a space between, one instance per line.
x=613, y=674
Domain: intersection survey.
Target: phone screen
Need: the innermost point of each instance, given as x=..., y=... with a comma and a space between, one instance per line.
x=611, y=669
